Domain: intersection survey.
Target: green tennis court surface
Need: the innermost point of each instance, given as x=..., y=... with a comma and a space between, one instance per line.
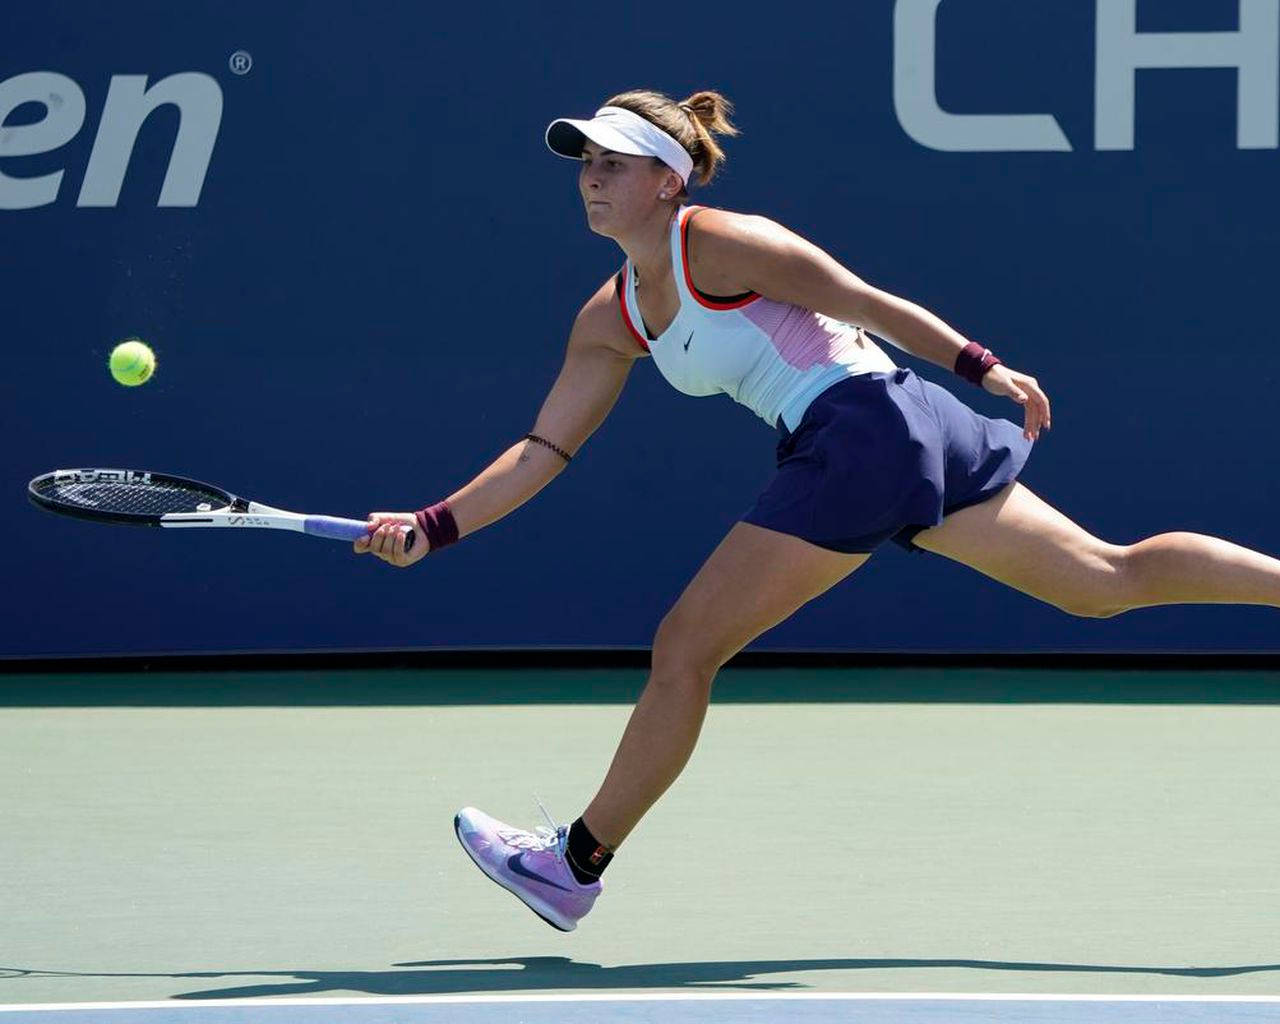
x=288, y=837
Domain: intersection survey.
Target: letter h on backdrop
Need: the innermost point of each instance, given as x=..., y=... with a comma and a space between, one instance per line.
x=1253, y=50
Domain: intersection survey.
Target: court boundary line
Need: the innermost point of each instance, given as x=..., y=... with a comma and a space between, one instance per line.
x=640, y=997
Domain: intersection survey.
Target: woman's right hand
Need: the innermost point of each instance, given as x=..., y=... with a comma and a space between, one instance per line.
x=388, y=532
x=1026, y=391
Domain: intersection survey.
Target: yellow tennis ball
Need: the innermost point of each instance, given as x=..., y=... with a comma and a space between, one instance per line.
x=132, y=363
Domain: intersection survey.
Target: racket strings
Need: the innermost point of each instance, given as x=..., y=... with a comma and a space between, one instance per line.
x=149, y=499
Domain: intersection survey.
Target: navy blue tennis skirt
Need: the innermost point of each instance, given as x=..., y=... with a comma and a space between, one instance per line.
x=882, y=456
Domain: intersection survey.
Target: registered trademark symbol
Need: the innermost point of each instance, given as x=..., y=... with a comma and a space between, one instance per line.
x=241, y=62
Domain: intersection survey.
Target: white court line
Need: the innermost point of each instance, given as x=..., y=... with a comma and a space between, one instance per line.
x=641, y=997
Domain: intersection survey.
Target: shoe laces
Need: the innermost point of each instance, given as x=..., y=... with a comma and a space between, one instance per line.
x=542, y=838
x=556, y=836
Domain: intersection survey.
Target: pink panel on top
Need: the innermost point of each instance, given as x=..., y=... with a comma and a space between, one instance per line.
x=801, y=338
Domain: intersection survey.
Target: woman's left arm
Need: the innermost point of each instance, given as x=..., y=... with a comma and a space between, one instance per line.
x=757, y=254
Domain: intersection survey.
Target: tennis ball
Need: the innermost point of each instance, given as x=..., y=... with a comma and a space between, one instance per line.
x=132, y=363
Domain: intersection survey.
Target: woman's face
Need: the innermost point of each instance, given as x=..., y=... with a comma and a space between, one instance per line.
x=620, y=191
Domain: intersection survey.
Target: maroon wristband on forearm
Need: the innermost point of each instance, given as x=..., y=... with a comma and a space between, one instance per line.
x=974, y=361
x=436, y=523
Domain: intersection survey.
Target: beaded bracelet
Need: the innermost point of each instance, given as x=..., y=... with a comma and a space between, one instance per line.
x=543, y=441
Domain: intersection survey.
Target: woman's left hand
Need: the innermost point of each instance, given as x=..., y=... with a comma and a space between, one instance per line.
x=1000, y=380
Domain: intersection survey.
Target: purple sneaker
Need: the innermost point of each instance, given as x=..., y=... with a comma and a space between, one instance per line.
x=528, y=865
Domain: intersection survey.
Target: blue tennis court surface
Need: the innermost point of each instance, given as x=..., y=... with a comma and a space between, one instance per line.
x=694, y=1008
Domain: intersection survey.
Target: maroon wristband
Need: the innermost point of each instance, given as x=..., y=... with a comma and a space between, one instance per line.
x=436, y=523
x=974, y=361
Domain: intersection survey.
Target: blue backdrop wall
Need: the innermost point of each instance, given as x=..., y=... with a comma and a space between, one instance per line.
x=371, y=293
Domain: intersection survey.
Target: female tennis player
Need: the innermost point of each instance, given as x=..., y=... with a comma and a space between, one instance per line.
x=868, y=452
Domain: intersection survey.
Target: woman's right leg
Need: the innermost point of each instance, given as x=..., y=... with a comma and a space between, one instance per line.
x=754, y=580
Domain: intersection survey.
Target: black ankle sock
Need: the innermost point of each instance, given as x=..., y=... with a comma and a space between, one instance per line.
x=588, y=857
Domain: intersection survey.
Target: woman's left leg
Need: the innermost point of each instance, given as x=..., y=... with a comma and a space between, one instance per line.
x=753, y=580
x=1018, y=539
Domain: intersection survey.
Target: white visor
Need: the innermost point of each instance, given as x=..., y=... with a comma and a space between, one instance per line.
x=621, y=131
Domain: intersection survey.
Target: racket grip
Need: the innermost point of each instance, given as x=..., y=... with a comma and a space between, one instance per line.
x=345, y=529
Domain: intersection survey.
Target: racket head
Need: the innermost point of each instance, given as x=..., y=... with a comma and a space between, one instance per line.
x=130, y=496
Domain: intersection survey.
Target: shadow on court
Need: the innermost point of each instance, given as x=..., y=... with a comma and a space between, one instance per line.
x=537, y=973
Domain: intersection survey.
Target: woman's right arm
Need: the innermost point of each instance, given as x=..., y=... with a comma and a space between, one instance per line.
x=598, y=358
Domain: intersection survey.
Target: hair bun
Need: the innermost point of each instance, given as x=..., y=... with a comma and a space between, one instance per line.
x=694, y=122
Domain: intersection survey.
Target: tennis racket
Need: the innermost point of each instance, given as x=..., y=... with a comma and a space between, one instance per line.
x=142, y=498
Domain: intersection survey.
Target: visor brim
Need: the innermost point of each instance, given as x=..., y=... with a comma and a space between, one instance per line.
x=566, y=137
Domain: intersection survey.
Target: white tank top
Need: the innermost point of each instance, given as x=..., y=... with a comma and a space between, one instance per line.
x=772, y=357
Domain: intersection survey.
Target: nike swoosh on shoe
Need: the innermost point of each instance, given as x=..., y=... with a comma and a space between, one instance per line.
x=516, y=864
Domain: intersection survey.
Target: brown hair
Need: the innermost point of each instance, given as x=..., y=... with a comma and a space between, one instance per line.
x=694, y=123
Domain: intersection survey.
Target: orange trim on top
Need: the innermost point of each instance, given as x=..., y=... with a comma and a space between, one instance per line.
x=705, y=300
x=622, y=304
